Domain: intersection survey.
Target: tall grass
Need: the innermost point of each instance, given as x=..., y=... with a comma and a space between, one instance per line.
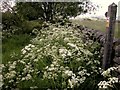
x=13, y=45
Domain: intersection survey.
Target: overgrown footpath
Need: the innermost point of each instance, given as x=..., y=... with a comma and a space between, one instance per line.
x=58, y=57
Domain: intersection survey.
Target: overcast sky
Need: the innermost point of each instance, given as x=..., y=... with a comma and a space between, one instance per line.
x=103, y=7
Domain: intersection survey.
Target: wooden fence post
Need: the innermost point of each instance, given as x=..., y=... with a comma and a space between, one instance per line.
x=112, y=10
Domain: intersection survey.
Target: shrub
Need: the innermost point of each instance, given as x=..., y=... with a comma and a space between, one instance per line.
x=10, y=19
x=28, y=26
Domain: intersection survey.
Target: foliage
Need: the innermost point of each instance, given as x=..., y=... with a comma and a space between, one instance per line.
x=28, y=26
x=49, y=10
x=27, y=11
x=14, y=30
x=13, y=45
x=10, y=19
x=56, y=58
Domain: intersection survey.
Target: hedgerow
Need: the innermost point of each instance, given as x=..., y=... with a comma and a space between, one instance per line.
x=57, y=58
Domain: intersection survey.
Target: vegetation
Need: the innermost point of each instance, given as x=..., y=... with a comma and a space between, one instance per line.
x=57, y=58
x=49, y=10
x=53, y=56
x=42, y=49
x=98, y=25
x=13, y=45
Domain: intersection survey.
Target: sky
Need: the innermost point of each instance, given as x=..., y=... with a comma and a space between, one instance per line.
x=103, y=8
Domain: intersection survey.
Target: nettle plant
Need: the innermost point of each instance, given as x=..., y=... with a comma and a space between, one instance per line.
x=56, y=58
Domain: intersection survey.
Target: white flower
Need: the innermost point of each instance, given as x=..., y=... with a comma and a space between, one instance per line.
x=55, y=29
x=29, y=45
x=11, y=67
x=69, y=73
x=25, y=69
x=52, y=65
x=14, y=63
x=74, y=80
x=54, y=62
x=69, y=53
x=51, y=69
x=106, y=73
x=34, y=87
x=28, y=77
x=24, y=52
x=11, y=81
x=1, y=76
x=11, y=74
x=113, y=80
x=46, y=67
x=23, y=79
x=2, y=66
x=63, y=55
x=103, y=84
x=61, y=51
x=22, y=62
x=81, y=73
x=35, y=60
x=72, y=45
x=81, y=80
x=66, y=39
x=32, y=46
x=70, y=83
x=28, y=49
x=38, y=50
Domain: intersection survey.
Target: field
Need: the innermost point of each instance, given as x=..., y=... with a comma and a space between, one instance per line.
x=98, y=25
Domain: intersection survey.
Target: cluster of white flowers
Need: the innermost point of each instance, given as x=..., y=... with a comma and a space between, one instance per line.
x=107, y=73
x=27, y=48
x=83, y=72
x=72, y=45
x=12, y=66
x=75, y=79
x=48, y=53
x=111, y=80
x=35, y=31
x=51, y=72
x=28, y=77
x=109, y=83
x=64, y=52
x=103, y=84
x=11, y=74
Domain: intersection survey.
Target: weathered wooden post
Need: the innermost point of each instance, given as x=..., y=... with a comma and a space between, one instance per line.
x=112, y=10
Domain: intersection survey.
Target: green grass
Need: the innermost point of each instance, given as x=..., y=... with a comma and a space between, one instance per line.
x=99, y=25
x=0, y=47
x=13, y=45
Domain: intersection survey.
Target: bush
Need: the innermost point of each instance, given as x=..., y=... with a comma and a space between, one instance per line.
x=28, y=26
x=14, y=30
x=10, y=19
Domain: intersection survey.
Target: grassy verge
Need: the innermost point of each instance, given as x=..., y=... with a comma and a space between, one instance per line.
x=13, y=45
x=0, y=52
x=99, y=25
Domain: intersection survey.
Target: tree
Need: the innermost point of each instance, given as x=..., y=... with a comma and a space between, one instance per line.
x=9, y=15
x=6, y=5
x=49, y=10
